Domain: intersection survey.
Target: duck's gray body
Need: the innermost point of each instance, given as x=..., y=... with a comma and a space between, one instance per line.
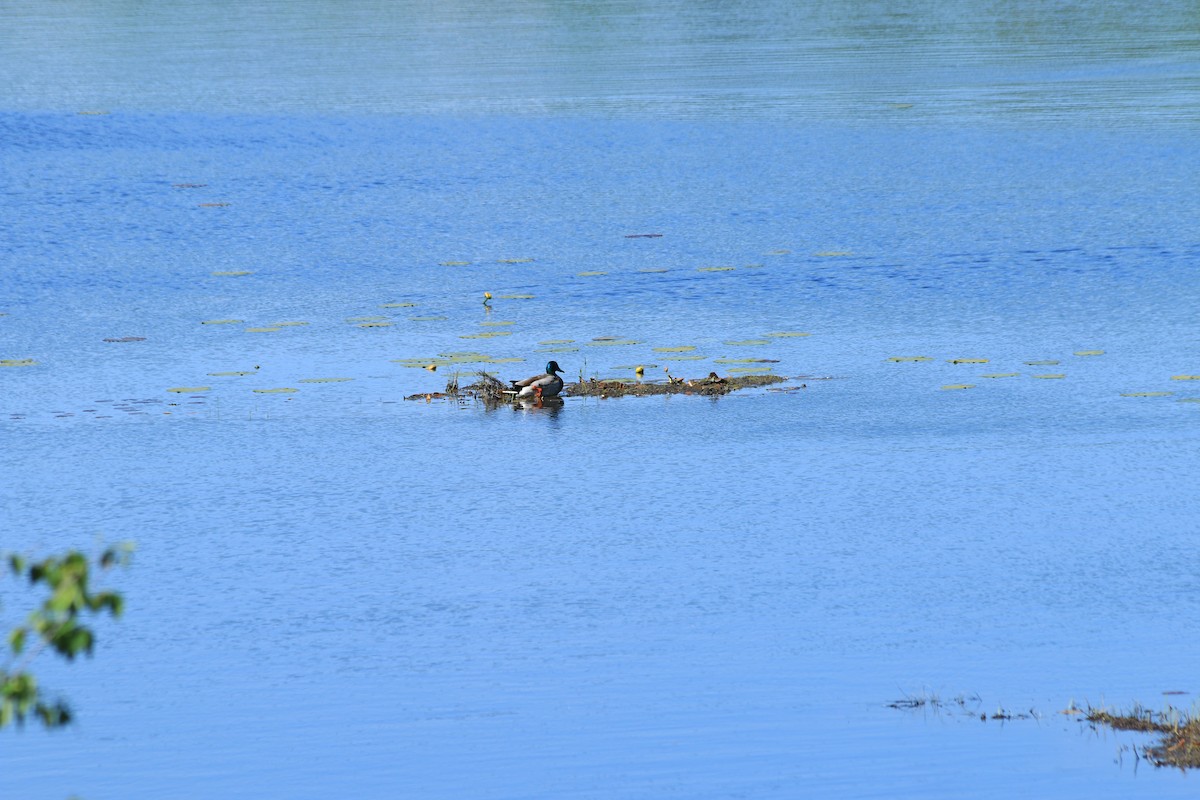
x=549, y=383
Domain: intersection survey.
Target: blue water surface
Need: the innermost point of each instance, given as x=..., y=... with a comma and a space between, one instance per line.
x=338, y=591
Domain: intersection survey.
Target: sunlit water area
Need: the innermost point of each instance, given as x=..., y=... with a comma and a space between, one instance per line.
x=235, y=237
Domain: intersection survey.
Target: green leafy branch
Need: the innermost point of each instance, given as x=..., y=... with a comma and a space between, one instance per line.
x=56, y=625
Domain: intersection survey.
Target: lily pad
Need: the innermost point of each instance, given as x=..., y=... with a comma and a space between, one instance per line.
x=833, y=253
x=559, y=350
x=367, y=319
x=558, y=341
x=425, y=319
x=222, y=321
x=612, y=342
x=685, y=358
x=779, y=252
x=455, y=263
x=17, y=362
x=189, y=389
x=268, y=329
x=1001, y=375
x=749, y=343
x=1052, y=377
x=715, y=269
x=953, y=386
x=516, y=261
x=1146, y=394
x=899, y=359
x=683, y=349
x=284, y=390
x=485, y=335
x=374, y=324
x=325, y=380
x=967, y=361
x=515, y=297
x=590, y=273
x=232, y=273
x=231, y=374
x=496, y=324
x=786, y=334
x=1089, y=352
x=654, y=270
x=745, y=361
x=290, y=324
x=1185, y=377
x=397, y=305
x=1050, y=363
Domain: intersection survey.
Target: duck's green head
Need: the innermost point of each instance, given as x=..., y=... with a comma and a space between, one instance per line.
x=553, y=367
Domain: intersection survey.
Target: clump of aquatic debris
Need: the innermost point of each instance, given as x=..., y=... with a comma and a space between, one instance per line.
x=712, y=385
x=1179, y=732
x=487, y=389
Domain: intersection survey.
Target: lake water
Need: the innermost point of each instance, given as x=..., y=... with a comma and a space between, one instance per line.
x=338, y=592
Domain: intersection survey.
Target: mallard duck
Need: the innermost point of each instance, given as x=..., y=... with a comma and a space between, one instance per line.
x=548, y=384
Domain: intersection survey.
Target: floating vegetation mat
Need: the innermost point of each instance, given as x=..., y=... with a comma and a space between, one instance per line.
x=1179, y=745
x=705, y=386
x=491, y=391
x=1089, y=352
x=17, y=362
x=516, y=261
x=956, y=386
x=289, y=324
x=189, y=389
x=900, y=359
x=281, y=390
x=967, y=361
x=1146, y=394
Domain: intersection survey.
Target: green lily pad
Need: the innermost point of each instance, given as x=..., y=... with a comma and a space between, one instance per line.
x=485, y=335
x=1001, y=375
x=514, y=297
x=967, y=361
x=899, y=359
x=612, y=342
x=325, y=380
x=17, y=362
x=268, y=329
x=683, y=349
x=1051, y=377
x=559, y=350
x=1050, y=363
x=497, y=324
x=1185, y=377
x=1089, y=352
x=558, y=341
x=397, y=305
x=231, y=374
x=953, y=386
x=715, y=269
x=455, y=263
x=516, y=261
x=285, y=390
x=684, y=358
x=222, y=321
x=189, y=389
x=367, y=319
x=291, y=324
x=1146, y=394
x=232, y=273
x=749, y=343
x=590, y=273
